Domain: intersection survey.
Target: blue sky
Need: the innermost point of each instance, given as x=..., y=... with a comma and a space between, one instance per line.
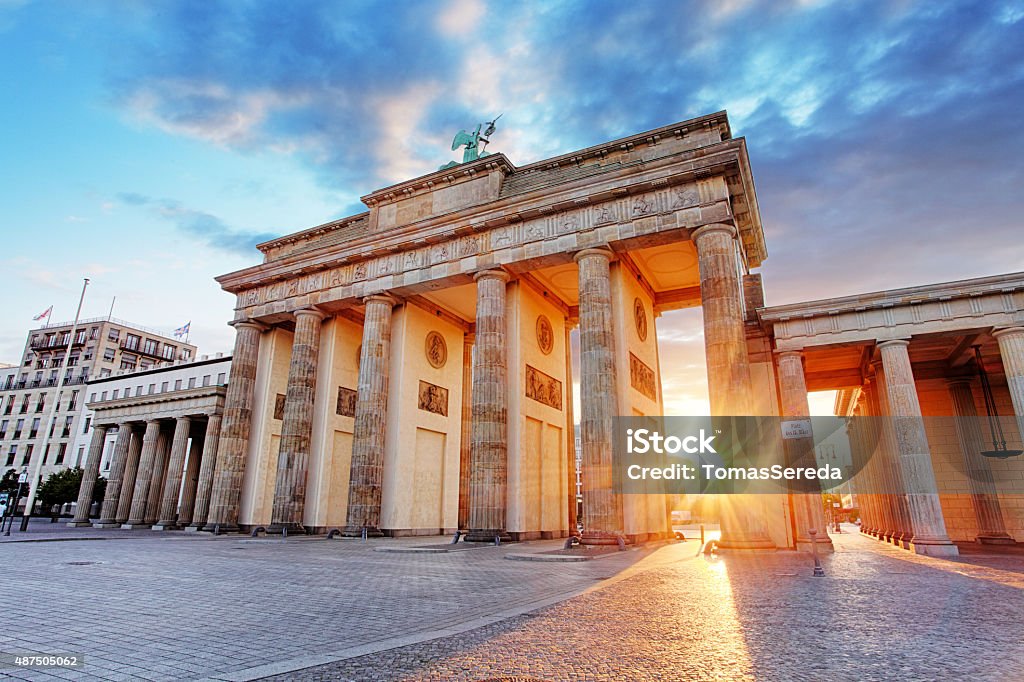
x=150, y=145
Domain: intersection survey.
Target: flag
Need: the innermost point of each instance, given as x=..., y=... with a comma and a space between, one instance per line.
x=183, y=330
x=45, y=313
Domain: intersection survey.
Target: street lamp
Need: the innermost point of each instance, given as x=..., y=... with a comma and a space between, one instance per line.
x=22, y=478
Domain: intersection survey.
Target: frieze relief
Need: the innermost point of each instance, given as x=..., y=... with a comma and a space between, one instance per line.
x=433, y=398
x=543, y=388
x=506, y=236
x=346, y=406
x=641, y=377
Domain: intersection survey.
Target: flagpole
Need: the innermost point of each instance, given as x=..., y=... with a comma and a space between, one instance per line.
x=37, y=465
x=111, y=313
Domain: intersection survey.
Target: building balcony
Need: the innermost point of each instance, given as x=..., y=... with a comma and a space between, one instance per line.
x=156, y=353
x=45, y=345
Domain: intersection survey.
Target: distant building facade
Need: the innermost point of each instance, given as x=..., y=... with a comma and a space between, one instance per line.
x=100, y=348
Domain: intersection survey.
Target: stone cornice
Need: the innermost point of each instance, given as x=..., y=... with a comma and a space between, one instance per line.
x=722, y=158
x=188, y=394
x=440, y=178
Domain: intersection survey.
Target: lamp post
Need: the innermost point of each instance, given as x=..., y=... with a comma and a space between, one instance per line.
x=22, y=478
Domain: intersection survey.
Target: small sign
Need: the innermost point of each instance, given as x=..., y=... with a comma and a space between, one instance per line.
x=797, y=428
x=23, y=477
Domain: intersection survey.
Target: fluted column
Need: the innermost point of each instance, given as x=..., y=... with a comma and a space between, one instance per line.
x=137, y=516
x=190, y=483
x=131, y=468
x=895, y=511
x=206, y=469
x=112, y=496
x=602, y=506
x=1011, y=351
x=800, y=452
x=725, y=346
x=914, y=455
x=466, y=433
x=175, y=470
x=154, y=501
x=488, y=487
x=370, y=423
x=89, y=475
x=984, y=496
x=570, y=432
x=234, y=437
x=297, y=425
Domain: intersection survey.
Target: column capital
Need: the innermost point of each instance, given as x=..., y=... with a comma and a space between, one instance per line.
x=1007, y=331
x=381, y=298
x=792, y=353
x=312, y=312
x=604, y=252
x=469, y=338
x=955, y=381
x=893, y=342
x=259, y=326
x=491, y=274
x=712, y=228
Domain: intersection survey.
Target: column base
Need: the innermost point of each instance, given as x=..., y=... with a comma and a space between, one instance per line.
x=602, y=537
x=994, y=539
x=293, y=529
x=79, y=524
x=746, y=544
x=166, y=525
x=357, y=532
x=221, y=528
x=193, y=528
x=135, y=525
x=488, y=535
x=823, y=545
x=107, y=523
x=935, y=548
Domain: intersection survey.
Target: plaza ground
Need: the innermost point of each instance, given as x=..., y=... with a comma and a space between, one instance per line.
x=144, y=605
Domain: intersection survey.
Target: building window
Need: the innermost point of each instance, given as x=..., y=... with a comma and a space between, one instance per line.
x=114, y=334
x=108, y=355
x=88, y=423
x=151, y=347
x=18, y=426
x=41, y=402
x=67, y=426
x=127, y=363
x=164, y=386
x=222, y=378
x=114, y=395
x=94, y=333
x=152, y=389
x=206, y=380
x=10, y=405
x=24, y=404
x=103, y=395
x=3, y=429
x=81, y=454
x=74, y=400
x=191, y=382
x=61, y=449
x=177, y=384
x=131, y=342
x=28, y=360
x=92, y=397
x=11, y=454
x=168, y=352
x=28, y=455
x=46, y=453
x=138, y=391
x=72, y=361
x=104, y=373
x=34, y=429
x=186, y=354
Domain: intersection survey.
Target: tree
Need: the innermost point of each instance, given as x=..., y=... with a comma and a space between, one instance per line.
x=9, y=483
x=60, y=487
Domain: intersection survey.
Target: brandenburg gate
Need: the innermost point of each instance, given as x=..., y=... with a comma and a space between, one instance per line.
x=407, y=370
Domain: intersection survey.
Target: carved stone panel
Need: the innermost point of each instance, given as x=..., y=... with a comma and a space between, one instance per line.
x=346, y=406
x=279, y=406
x=641, y=377
x=433, y=398
x=545, y=335
x=640, y=317
x=436, y=350
x=543, y=388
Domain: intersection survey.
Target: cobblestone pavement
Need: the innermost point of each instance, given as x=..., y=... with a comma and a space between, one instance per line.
x=880, y=613
x=173, y=606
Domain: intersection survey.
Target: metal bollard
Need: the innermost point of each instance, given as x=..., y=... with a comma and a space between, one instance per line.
x=819, y=572
x=455, y=540
x=702, y=535
x=364, y=533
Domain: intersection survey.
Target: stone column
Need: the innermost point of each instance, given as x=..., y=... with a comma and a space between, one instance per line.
x=800, y=452
x=570, y=432
x=984, y=496
x=602, y=506
x=156, y=481
x=297, y=425
x=131, y=468
x=914, y=455
x=137, y=516
x=89, y=475
x=209, y=462
x=488, y=487
x=1011, y=350
x=370, y=423
x=112, y=497
x=900, y=530
x=725, y=346
x=190, y=484
x=175, y=470
x=227, y=477
x=466, y=433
